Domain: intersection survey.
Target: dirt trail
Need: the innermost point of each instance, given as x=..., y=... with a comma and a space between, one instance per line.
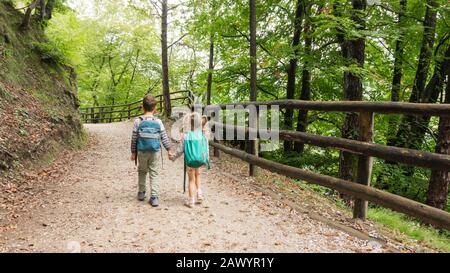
x=96, y=211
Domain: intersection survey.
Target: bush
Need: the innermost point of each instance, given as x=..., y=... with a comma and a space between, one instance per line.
x=314, y=159
x=49, y=53
x=396, y=179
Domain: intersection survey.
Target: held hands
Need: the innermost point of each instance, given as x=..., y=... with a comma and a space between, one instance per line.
x=171, y=156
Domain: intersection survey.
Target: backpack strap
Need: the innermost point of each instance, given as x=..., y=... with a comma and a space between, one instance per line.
x=184, y=177
x=136, y=158
x=160, y=151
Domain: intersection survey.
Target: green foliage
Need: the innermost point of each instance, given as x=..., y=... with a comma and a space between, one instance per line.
x=393, y=178
x=116, y=60
x=435, y=238
x=49, y=53
x=319, y=160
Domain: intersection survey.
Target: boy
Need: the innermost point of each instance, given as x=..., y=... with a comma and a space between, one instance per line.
x=148, y=133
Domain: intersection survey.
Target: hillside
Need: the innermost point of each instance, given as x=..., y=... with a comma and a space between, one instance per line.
x=38, y=94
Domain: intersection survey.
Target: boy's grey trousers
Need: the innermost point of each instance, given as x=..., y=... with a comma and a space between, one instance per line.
x=148, y=162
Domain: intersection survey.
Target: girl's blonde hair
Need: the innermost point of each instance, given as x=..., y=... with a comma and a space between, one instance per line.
x=196, y=122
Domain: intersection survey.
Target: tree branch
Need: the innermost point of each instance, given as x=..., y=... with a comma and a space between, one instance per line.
x=179, y=39
x=157, y=9
x=260, y=45
x=174, y=7
x=396, y=12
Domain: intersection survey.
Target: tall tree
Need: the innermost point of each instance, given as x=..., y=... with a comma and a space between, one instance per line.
x=210, y=70
x=49, y=9
x=398, y=70
x=434, y=88
x=212, y=34
x=41, y=9
x=305, y=94
x=428, y=39
x=28, y=13
x=429, y=33
x=440, y=179
x=292, y=69
x=165, y=60
x=253, y=77
x=353, y=51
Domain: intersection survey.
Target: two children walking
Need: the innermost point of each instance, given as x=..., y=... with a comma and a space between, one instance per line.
x=148, y=135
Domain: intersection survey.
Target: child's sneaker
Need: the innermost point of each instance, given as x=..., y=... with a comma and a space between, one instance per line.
x=141, y=196
x=200, y=198
x=190, y=203
x=154, y=201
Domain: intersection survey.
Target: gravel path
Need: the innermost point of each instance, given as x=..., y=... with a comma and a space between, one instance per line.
x=96, y=211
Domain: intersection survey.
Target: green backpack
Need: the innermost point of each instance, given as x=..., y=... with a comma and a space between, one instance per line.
x=196, y=151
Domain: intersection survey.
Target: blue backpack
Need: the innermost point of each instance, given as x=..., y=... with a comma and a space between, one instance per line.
x=149, y=135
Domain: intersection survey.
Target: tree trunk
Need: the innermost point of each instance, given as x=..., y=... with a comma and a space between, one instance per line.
x=435, y=86
x=302, y=121
x=292, y=71
x=429, y=28
x=41, y=10
x=253, y=79
x=49, y=9
x=440, y=179
x=210, y=70
x=165, y=61
x=354, y=51
x=27, y=17
x=398, y=72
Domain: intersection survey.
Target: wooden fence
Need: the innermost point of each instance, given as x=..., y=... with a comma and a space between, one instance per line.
x=364, y=148
x=121, y=112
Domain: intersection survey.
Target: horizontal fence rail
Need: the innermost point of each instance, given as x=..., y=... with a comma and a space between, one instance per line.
x=120, y=112
x=355, y=106
x=390, y=153
x=364, y=148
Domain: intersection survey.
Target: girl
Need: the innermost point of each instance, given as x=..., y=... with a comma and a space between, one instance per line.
x=195, y=136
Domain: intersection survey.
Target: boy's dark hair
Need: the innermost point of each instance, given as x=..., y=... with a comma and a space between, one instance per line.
x=149, y=103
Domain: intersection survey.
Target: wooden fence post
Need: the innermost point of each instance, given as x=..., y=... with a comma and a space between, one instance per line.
x=92, y=115
x=364, y=171
x=254, y=144
x=129, y=111
x=216, y=150
x=102, y=118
